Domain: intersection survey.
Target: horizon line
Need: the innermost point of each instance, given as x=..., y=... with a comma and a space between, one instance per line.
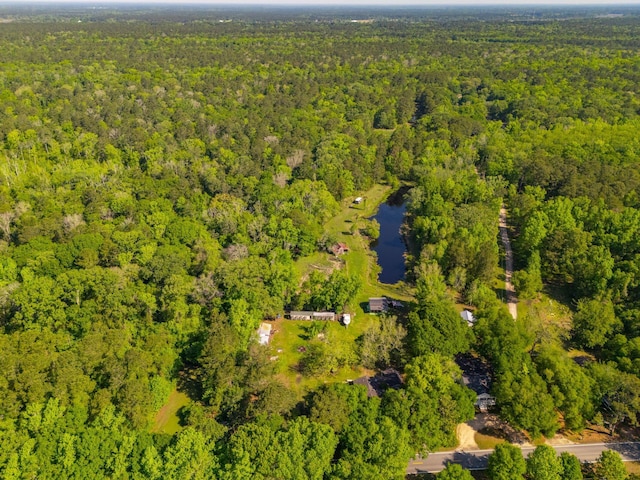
x=330, y=3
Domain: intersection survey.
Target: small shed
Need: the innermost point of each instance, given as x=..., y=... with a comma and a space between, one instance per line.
x=339, y=248
x=358, y=200
x=310, y=315
x=346, y=319
x=468, y=317
x=264, y=333
x=378, y=305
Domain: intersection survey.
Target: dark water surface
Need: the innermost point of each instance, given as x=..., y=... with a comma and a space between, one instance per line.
x=390, y=247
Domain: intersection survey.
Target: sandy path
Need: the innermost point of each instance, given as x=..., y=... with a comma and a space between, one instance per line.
x=466, y=437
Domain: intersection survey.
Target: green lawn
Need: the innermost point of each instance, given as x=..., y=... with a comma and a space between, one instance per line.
x=359, y=261
x=318, y=261
x=486, y=442
x=167, y=420
x=547, y=310
x=291, y=335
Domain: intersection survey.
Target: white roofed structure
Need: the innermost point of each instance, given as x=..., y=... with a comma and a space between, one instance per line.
x=264, y=333
x=467, y=316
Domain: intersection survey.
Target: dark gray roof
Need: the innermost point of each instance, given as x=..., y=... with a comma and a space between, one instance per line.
x=476, y=373
x=377, y=303
x=366, y=381
x=380, y=382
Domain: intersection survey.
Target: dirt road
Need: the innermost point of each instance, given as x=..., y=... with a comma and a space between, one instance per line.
x=512, y=300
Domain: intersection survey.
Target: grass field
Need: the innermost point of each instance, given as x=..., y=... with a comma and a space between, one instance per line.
x=167, y=420
x=291, y=337
x=360, y=261
x=633, y=467
x=547, y=314
x=486, y=442
x=549, y=309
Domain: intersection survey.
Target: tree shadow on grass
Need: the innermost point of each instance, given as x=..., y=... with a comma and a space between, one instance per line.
x=189, y=383
x=561, y=293
x=364, y=306
x=312, y=330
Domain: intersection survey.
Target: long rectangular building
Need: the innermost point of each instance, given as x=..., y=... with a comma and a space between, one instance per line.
x=307, y=315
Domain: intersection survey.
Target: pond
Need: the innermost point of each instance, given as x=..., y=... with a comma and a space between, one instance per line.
x=390, y=246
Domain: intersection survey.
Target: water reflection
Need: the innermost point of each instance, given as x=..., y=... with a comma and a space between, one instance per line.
x=390, y=246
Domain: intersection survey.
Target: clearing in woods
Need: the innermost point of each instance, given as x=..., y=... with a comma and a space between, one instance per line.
x=167, y=420
x=290, y=340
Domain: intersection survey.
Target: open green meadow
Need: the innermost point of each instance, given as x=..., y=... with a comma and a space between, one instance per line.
x=167, y=419
x=291, y=339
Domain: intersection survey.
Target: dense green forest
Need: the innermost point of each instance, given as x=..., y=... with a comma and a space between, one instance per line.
x=163, y=176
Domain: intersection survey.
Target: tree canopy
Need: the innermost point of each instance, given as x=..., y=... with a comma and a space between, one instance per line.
x=166, y=178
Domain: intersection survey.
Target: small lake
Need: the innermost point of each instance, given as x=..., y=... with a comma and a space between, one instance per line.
x=390, y=246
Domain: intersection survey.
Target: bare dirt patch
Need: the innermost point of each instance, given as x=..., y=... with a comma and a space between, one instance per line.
x=559, y=439
x=599, y=434
x=485, y=431
x=466, y=437
x=491, y=425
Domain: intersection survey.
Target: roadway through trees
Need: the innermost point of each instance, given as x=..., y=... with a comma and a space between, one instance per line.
x=477, y=459
x=512, y=300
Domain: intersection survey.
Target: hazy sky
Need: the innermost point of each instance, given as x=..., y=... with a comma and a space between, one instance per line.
x=352, y=2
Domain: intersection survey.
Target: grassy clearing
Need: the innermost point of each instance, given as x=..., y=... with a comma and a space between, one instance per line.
x=633, y=467
x=339, y=228
x=359, y=261
x=486, y=442
x=318, y=261
x=593, y=434
x=581, y=355
x=551, y=313
x=167, y=420
x=292, y=336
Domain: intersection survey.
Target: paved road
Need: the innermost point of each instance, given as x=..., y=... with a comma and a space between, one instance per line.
x=477, y=459
x=512, y=301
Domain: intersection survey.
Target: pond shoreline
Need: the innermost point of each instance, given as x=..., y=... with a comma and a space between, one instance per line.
x=391, y=247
